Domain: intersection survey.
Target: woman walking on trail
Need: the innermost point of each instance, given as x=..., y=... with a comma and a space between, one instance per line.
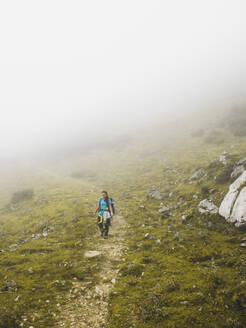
x=105, y=213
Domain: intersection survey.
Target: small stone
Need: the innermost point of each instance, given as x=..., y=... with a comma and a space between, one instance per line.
x=90, y=254
x=30, y=270
x=206, y=206
x=163, y=209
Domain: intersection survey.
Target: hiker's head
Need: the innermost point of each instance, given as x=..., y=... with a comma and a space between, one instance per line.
x=104, y=194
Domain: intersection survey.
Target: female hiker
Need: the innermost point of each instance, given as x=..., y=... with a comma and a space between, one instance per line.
x=105, y=213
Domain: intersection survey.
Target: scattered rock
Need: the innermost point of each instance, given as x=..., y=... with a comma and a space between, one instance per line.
x=198, y=174
x=126, y=195
x=182, y=218
x=207, y=206
x=13, y=246
x=222, y=158
x=10, y=284
x=36, y=236
x=91, y=254
x=41, y=200
x=154, y=193
x=164, y=209
x=242, y=161
x=146, y=236
x=30, y=270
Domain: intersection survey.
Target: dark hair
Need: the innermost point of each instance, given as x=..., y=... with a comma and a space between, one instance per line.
x=105, y=192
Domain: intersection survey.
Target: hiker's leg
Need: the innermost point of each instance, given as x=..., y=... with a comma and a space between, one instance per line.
x=107, y=224
x=100, y=224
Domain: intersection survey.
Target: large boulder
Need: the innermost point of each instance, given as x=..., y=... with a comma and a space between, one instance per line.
x=233, y=206
x=206, y=206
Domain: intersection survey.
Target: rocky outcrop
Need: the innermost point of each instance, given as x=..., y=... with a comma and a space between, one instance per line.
x=206, y=206
x=233, y=206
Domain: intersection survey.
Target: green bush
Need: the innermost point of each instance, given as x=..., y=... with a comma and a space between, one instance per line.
x=236, y=121
x=215, y=137
x=22, y=195
x=197, y=133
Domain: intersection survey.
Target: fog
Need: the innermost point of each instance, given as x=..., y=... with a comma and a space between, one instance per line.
x=77, y=70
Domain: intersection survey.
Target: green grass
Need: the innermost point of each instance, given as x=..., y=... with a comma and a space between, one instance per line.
x=175, y=273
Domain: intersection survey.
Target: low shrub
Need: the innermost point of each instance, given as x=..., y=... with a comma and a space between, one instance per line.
x=22, y=195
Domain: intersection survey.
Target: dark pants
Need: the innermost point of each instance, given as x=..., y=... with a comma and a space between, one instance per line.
x=103, y=226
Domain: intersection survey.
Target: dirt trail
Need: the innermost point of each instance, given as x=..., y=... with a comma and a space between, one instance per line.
x=87, y=306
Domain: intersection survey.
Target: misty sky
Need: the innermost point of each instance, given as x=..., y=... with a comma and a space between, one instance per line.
x=71, y=67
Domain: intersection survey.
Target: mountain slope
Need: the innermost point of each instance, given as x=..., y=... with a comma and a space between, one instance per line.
x=178, y=268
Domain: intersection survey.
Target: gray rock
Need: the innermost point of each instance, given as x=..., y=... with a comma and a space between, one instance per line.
x=222, y=159
x=13, y=246
x=242, y=161
x=182, y=218
x=126, y=195
x=198, y=174
x=10, y=284
x=207, y=206
x=41, y=199
x=237, y=171
x=90, y=254
x=164, y=209
x=36, y=236
x=30, y=270
x=233, y=206
x=154, y=193
x=146, y=236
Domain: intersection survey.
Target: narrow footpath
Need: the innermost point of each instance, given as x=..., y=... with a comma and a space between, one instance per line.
x=87, y=306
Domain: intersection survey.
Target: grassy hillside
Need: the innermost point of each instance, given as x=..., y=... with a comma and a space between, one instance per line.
x=184, y=269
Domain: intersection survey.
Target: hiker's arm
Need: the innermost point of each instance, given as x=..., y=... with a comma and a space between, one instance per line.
x=111, y=210
x=97, y=209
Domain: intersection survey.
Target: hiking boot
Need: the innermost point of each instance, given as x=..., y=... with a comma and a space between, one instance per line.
x=106, y=237
x=101, y=234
